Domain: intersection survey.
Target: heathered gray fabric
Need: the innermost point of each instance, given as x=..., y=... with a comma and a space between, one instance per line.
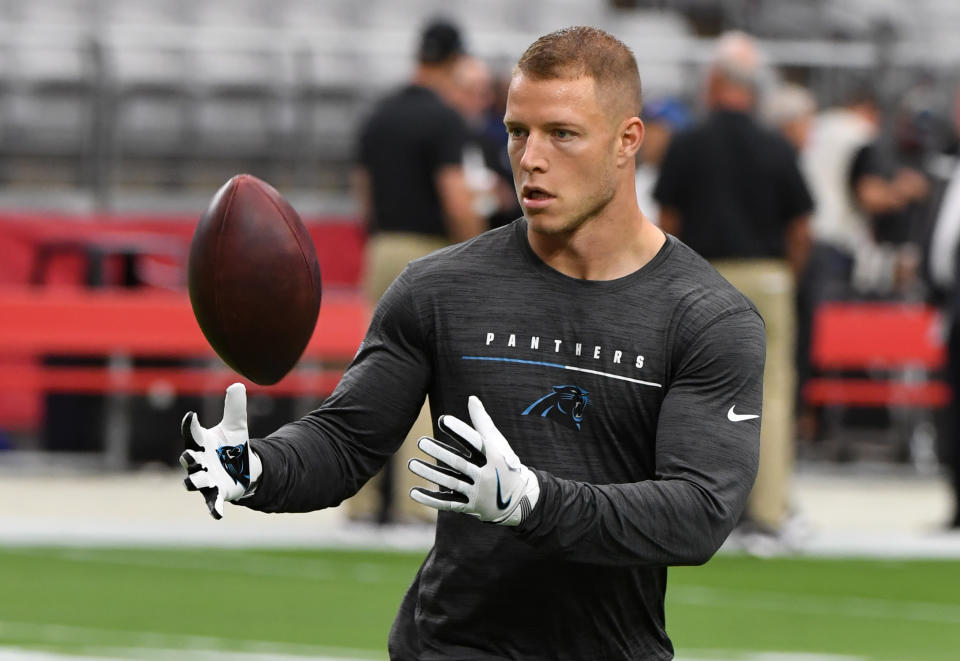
x=655, y=475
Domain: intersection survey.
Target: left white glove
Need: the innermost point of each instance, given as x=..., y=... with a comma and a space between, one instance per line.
x=218, y=461
x=480, y=475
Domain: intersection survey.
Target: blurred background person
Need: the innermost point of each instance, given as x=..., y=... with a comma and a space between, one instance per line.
x=661, y=119
x=414, y=192
x=486, y=164
x=732, y=190
x=910, y=151
x=791, y=109
x=865, y=204
x=856, y=186
x=840, y=224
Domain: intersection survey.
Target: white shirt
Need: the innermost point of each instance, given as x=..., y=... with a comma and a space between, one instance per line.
x=836, y=137
x=946, y=234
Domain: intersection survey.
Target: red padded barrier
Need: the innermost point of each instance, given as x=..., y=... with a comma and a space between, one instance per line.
x=339, y=241
x=882, y=337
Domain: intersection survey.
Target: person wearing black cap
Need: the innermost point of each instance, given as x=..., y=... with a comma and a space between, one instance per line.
x=414, y=196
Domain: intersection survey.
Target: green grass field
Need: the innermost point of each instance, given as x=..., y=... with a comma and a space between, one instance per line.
x=157, y=603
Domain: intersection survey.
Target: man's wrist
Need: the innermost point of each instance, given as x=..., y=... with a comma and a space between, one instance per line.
x=533, y=490
x=256, y=470
x=543, y=499
x=529, y=497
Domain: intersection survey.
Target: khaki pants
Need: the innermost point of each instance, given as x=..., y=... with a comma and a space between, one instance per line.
x=769, y=284
x=387, y=255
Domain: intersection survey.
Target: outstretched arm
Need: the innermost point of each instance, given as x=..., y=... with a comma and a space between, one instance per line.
x=327, y=455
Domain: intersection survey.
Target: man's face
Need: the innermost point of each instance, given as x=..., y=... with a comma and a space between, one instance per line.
x=563, y=151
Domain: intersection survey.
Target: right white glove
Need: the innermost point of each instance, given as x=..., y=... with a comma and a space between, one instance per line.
x=218, y=461
x=479, y=474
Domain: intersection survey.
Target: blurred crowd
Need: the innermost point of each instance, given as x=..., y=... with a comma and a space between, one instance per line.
x=797, y=197
x=798, y=200
x=884, y=183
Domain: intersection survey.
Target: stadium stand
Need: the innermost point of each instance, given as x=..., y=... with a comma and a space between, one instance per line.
x=116, y=106
x=51, y=103
x=103, y=94
x=149, y=106
x=106, y=94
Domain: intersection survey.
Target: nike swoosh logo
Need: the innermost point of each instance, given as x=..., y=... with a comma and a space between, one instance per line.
x=500, y=504
x=739, y=417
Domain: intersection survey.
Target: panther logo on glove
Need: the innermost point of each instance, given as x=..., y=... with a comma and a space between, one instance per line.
x=566, y=405
x=234, y=460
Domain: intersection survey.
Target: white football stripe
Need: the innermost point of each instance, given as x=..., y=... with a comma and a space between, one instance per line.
x=837, y=606
x=152, y=644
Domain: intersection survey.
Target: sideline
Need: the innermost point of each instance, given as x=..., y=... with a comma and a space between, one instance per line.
x=870, y=514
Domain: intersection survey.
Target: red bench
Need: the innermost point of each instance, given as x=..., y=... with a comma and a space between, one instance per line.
x=880, y=355
x=123, y=325
x=901, y=343
x=118, y=323
x=60, y=250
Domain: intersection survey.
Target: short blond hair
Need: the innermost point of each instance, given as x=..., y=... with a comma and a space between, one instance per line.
x=586, y=51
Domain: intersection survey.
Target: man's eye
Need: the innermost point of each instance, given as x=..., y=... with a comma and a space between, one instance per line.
x=562, y=133
x=516, y=133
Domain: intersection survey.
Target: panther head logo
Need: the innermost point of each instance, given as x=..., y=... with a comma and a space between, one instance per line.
x=566, y=405
x=234, y=460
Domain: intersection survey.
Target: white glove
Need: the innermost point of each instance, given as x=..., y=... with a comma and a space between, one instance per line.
x=480, y=475
x=218, y=461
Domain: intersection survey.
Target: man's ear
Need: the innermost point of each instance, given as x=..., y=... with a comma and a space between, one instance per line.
x=631, y=137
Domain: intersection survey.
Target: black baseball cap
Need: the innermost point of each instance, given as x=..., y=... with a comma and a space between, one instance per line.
x=440, y=41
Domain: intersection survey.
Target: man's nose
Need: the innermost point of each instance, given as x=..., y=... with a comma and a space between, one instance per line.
x=534, y=154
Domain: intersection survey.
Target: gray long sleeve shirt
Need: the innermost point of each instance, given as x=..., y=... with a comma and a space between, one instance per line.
x=636, y=401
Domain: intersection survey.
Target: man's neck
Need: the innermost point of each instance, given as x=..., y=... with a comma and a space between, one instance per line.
x=733, y=99
x=606, y=247
x=432, y=77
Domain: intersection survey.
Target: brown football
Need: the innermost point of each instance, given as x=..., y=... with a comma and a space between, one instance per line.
x=254, y=279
